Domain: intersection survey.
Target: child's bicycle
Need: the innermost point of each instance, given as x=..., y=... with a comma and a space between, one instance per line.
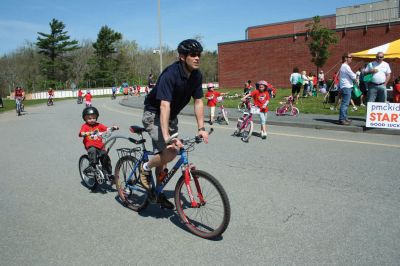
x=287, y=108
x=19, y=106
x=244, y=126
x=201, y=201
x=222, y=112
x=92, y=177
x=50, y=101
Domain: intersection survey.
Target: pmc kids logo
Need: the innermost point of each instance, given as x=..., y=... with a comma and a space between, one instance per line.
x=383, y=115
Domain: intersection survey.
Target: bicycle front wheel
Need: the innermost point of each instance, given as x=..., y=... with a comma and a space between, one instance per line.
x=247, y=131
x=210, y=217
x=135, y=195
x=87, y=175
x=295, y=111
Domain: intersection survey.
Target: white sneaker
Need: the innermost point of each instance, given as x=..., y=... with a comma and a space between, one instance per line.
x=362, y=105
x=355, y=108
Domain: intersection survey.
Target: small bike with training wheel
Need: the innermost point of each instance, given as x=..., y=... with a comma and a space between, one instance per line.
x=50, y=101
x=287, y=108
x=245, y=124
x=201, y=201
x=19, y=105
x=92, y=177
x=222, y=116
x=79, y=100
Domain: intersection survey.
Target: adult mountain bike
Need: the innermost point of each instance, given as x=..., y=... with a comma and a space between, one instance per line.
x=201, y=201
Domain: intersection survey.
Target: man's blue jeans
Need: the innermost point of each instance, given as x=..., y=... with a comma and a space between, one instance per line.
x=346, y=96
x=376, y=93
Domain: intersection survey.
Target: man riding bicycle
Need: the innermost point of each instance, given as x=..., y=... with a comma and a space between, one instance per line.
x=177, y=84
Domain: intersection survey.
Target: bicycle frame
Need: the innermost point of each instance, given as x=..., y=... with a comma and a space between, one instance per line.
x=182, y=163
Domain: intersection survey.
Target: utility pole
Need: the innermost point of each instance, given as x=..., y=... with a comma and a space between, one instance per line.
x=160, y=34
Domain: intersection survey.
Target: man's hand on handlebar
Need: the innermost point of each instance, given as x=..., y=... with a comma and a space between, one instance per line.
x=204, y=135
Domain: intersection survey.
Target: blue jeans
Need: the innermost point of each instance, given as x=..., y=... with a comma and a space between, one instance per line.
x=346, y=96
x=376, y=93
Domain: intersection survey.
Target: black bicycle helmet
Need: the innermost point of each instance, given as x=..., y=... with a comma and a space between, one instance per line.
x=90, y=111
x=189, y=46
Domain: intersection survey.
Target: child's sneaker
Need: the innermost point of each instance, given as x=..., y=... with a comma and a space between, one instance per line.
x=263, y=135
x=362, y=105
x=355, y=108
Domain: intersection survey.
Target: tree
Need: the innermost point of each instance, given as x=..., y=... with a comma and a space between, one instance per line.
x=321, y=38
x=104, y=47
x=54, y=46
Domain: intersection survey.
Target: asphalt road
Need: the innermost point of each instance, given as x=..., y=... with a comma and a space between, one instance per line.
x=302, y=197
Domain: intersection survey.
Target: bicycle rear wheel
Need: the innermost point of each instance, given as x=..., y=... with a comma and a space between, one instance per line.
x=134, y=196
x=210, y=218
x=88, y=176
x=247, y=131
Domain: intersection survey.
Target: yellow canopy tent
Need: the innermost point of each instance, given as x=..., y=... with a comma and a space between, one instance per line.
x=391, y=50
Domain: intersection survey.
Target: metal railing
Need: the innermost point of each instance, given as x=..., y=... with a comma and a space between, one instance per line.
x=368, y=18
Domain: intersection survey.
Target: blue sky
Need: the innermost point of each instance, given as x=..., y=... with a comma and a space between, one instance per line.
x=215, y=20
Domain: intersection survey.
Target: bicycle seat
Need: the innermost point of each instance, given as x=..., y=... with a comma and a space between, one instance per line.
x=137, y=129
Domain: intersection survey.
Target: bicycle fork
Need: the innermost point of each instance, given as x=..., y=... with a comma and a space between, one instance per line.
x=188, y=177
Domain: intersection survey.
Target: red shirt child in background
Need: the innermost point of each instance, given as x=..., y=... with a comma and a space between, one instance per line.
x=211, y=96
x=92, y=141
x=261, y=99
x=396, y=91
x=80, y=93
x=88, y=98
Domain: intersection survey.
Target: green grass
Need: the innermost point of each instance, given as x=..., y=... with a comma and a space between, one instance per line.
x=309, y=105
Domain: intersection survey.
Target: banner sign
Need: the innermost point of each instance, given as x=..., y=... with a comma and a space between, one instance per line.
x=383, y=115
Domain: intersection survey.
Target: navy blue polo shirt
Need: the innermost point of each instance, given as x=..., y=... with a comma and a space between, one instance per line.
x=175, y=87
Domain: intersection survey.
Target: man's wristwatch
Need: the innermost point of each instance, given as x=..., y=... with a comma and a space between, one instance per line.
x=202, y=129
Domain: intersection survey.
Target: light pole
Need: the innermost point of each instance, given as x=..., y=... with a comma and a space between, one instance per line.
x=160, y=35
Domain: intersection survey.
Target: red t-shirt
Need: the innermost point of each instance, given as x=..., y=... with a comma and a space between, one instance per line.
x=88, y=97
x=80, y=93
x=212, y=98
x=88, y=141
x=18, y=93
x=51, y=92
x=260, y=98
x=396, y=88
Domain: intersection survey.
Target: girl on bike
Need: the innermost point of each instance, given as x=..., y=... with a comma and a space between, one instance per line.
x=261, y=99
x=211, y=97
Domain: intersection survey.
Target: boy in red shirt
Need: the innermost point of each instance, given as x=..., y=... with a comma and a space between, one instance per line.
x=92, y=142
x=211, y=96
x=261, y=99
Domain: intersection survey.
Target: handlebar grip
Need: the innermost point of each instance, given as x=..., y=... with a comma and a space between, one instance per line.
x=173, y=136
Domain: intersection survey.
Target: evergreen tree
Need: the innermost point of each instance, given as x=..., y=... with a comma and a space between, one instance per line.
x=54, y=46
x=321, y=38
x=106, y=65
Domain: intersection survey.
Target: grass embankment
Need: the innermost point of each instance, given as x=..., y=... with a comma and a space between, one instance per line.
x=308, y=105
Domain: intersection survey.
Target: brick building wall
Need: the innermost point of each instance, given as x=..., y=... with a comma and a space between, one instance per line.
x=273, y=58
x=289, y=27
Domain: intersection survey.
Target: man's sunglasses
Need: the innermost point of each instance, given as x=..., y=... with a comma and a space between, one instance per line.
x=195, y=54
x=380, y=57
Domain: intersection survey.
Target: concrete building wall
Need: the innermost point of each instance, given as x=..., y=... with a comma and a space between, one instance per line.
x=273, y=58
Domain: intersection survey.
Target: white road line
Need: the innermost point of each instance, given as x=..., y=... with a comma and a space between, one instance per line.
x=277, y=134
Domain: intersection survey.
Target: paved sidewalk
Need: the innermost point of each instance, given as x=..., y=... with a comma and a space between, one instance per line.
x=328, y=122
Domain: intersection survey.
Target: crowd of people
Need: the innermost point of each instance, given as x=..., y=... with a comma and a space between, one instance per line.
x=368, y=84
